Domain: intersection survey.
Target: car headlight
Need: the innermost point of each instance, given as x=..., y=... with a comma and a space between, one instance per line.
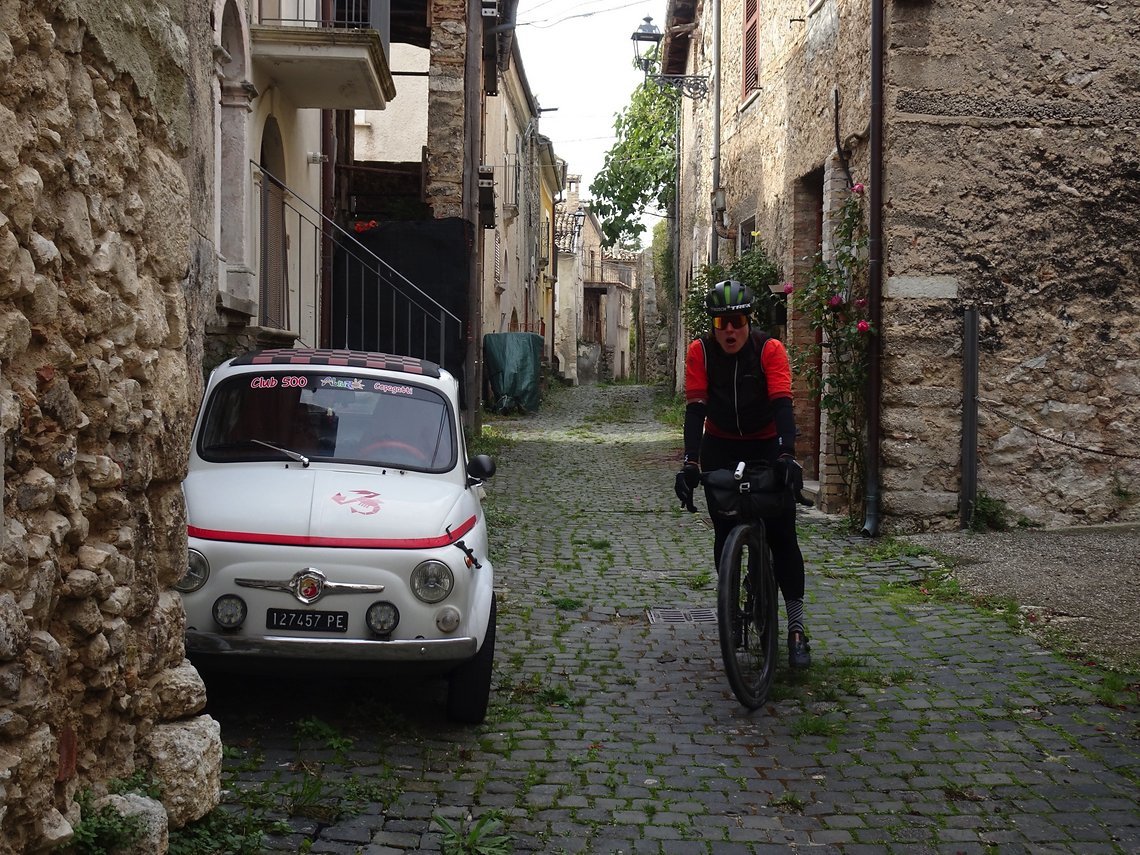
x=229, y=611
x=432, y=581
x=197, y=572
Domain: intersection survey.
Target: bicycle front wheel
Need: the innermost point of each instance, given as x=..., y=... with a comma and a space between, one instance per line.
x=747, y=615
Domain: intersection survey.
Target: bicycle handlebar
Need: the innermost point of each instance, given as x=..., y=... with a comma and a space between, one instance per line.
x=738, y=475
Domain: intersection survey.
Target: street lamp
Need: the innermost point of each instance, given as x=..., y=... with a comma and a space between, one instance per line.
x=579, y=218
x=646, y=44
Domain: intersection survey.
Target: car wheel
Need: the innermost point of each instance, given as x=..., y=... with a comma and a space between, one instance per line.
x=469, y=685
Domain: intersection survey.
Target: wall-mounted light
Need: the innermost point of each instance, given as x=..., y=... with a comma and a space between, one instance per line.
x=646, y=51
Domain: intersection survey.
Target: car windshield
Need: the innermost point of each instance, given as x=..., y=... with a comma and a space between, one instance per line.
x=327, y=417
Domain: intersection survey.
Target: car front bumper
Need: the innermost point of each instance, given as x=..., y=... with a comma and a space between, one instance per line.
x=349, y=650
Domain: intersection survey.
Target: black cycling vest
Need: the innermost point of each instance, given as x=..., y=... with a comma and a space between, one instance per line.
x=738, y=390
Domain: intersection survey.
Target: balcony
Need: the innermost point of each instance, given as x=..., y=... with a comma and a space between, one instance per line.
x=607, y=273
x=326, y=54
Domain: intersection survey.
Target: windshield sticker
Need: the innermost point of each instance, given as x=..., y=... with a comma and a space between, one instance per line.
x=350, y=383
x=359, y=501
x=393, y=389
x=285, y=381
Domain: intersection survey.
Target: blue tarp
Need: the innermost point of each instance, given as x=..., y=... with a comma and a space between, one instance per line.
x=512, y=366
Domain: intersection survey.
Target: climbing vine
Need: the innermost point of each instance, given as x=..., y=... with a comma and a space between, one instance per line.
x=833, y=301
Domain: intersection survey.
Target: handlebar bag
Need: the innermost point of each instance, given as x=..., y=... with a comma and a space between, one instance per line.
x=761, y=493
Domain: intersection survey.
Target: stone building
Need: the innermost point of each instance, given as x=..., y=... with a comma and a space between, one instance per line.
x=608, y=283
x=108, y=270
x=997, y=146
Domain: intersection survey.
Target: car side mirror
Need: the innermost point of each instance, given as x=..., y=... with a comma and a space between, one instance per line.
x=480, y=468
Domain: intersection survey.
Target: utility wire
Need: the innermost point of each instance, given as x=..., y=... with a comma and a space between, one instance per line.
x=547, y=23
x=992, y=407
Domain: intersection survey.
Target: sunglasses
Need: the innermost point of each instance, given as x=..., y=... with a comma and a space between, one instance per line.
x=735, y=322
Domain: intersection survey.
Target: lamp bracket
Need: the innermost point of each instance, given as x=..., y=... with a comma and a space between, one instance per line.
x=689, y=85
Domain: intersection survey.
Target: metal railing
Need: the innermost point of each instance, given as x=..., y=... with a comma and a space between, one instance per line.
x=607, y=271
x=318, y=281
x=340, y=14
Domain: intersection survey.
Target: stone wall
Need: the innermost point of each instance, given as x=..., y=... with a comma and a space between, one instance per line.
x=1012, y=185
x=446, y=108
x=105, y=255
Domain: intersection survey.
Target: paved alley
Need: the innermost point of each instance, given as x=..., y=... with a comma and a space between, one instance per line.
x=925, y=725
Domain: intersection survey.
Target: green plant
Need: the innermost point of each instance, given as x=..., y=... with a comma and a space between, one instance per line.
x=788, y=802
x=567, y=604
x=989, y=514
x=489, y=441
x=700, y=579
x=640, y=169
x=816, y=725
x=668, y=408
x=314, y=729
x=480, y=837
x=833, y=301
x=139, y=782
x=753, y=268
x=102, y=831
x=223, y=830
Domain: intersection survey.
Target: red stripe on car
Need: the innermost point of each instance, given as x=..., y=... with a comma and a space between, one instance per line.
x=335, y=542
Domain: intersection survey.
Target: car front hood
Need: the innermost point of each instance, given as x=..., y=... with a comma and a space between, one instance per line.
x=325, y=507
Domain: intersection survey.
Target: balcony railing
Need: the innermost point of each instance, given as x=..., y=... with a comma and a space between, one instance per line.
x=327, y=54
x=345, y=14
x=607, y=272
x=361, y=301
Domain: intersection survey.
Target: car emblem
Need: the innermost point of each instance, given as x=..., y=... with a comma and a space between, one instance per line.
x=309, y=585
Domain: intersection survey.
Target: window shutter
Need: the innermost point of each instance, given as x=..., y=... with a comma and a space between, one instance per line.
x=750, y=61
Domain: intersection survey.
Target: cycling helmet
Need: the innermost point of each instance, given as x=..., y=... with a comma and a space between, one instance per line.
x=729, y=298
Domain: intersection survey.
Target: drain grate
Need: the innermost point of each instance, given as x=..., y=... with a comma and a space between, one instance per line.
x=681, y=615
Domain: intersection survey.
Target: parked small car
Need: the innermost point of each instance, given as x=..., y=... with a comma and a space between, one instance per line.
x=334, y=515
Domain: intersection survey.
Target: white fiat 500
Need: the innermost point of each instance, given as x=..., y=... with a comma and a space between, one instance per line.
x=334, y=515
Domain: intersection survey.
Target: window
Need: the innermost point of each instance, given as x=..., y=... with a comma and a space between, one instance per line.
x=750, y=60
x=745, y=240
x=334, y=418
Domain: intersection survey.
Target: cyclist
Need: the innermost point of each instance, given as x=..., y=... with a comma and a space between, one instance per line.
x=738, y=389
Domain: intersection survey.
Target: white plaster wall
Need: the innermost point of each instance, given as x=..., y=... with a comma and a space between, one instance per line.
x=398, y=133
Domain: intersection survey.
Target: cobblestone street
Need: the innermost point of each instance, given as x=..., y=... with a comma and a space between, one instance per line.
x=925, y=724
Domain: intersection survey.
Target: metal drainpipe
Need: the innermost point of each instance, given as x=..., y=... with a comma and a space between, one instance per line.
x=714, y=250
x=875, y=276
x=472, y=156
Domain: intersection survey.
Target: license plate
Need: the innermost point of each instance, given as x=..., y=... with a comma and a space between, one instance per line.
x=303, y=620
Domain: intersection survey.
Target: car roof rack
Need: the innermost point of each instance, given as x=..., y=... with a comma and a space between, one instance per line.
x=336, y=358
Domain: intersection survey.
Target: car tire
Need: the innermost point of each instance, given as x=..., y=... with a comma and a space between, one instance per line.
x=469, y=685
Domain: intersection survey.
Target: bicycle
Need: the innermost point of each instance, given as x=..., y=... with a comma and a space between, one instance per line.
x=747, y=598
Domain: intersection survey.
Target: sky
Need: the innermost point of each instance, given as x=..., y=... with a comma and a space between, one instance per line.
x=578, y=57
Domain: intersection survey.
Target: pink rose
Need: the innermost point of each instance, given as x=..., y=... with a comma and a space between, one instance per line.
x=835, y=301
x=857, y=189
x=861, y=303
x=788, y=287
x=863, y=326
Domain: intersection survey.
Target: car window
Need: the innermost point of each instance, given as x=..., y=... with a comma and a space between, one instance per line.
x=328, y=417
